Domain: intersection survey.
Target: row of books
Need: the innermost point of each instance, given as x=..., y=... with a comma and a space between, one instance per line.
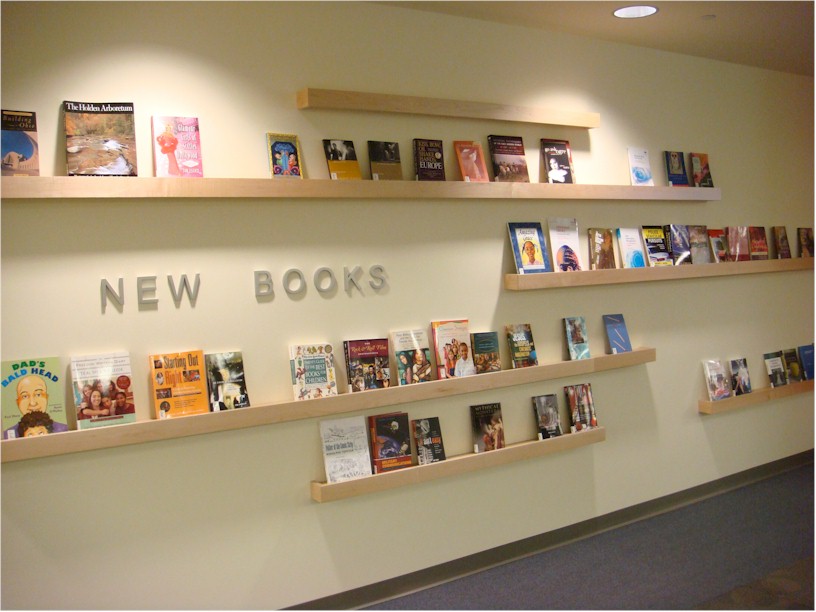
x=783, y=367
x=356, y=447
x=646, y=245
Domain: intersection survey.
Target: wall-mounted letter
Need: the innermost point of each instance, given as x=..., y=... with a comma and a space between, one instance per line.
x=377, y=273
x=146, y=285
x=287, y=279
x=332, y=280
x=106, y=290
x=184, y=287
x=349, y=278
x=263, y=284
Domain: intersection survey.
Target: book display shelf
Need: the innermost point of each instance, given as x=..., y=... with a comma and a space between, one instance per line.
x=757, y=396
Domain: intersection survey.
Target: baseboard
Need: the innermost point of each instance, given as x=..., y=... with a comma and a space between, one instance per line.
x=423, y=579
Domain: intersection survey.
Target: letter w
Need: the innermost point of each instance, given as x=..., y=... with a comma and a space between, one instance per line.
x=183, y=288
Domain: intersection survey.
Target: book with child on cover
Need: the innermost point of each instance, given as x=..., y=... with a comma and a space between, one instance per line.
x=33, y=397
x=102, y=389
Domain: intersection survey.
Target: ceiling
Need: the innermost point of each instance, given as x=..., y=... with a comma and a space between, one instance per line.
x=776, y=35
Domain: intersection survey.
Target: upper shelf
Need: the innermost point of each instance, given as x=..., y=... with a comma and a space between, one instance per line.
x=333, y=99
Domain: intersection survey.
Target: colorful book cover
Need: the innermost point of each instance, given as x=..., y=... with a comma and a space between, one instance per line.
x=556, y=157
x=806, y=359
x=616, y=334
x=451, y=340
x=413, y=356
x=529, y=247
x=738, y=243
x=428, y=439
x=488, y=427
x=312, y=370
x=793, y=367
x=601, y=249
x=367, y=364
x=779, y=235
x=676, y=169
x=285, y=157
x=486, y=354
x=102, y=390
x=775, y=367
x=640, y=169
x=178, y=384
x=805, y=236
x=548, y=420
x=33, y=397
x=758, y=243
x=341, y=158
x=471, y=160
x=699, y=244
x=581, y=407
x=390, y=441
x=700, y=170
x=384, y=160
x=677, y=239
x=226, y=381
x=100, y=138
x=740, y=377
x=429, y=160
x=521, y=344
x=718, y=382
x=631, y=247
x=565, y=244
x=509, y=161
x=19, y=143
x=577, y=337
x=177, y=147
x=719, y=246
x=657, y=250
x=345, y=448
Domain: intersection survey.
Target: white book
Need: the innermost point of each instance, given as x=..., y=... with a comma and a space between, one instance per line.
x=345, y=448
x=630, y=245
x=640, y=170
x=565, y=244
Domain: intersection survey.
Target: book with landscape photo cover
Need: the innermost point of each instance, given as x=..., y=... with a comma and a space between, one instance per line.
x=390, y=441
x=488, y=427
x=341, y=158
x=429, y=160
x=556, y=158
x=581, y=407
x=226, y=381
x=100, y=138
x=384, y=160
x=177, y=147
x=102, y=389
x=285, y=158
x=548, y=419
x=178, y=384
x=486, y=356
x=471, y=160
x=529, y=246
x=509, y=161
x=19, y=143
x=345, y=448
x=413, y=356
x=427, y=435
x=367, y=364
x=312, y=370
x=33, y=397
x=565, y=244
x=521, y=344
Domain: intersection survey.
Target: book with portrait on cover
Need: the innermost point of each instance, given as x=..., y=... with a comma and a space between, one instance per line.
x=177, y=147
x=509, y=161
x=601, y=249
x=487, y=426
x=285, y=158
x=33, y=397
x=367, y=364
x=100, y=138
x=384, y=160
x=556, y=159
x=102, y=389
x=529, y=246
x=413, y=356
x=341, y=158
x=451, y=340
x=19, y=143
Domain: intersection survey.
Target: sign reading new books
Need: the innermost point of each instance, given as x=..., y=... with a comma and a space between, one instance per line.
x=32, y=397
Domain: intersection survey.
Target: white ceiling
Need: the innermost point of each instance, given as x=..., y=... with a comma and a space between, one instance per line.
x=777, y=35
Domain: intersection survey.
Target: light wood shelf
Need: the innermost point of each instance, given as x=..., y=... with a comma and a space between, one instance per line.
x=585, y=278
x=757, y=396
x=461, y=464
x=333, y=99
x=168, y=429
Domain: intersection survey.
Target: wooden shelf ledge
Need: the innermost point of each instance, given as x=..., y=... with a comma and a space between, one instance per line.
x=461, y=464
x=757, y=396
x=168, y=429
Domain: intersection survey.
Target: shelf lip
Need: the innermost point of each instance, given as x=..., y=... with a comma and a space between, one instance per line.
x=166, y=429
x=461, y=464
x=335, y=99
x=757, y=396
x=585, y=278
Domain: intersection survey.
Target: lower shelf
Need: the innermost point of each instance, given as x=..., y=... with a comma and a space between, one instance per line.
x=461, y=464
x=757, y=396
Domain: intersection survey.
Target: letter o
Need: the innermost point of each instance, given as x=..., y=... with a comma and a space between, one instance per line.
x=332, y=280
x=287, y=279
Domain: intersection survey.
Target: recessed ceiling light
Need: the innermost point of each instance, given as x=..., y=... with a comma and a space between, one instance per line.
x=635, y=12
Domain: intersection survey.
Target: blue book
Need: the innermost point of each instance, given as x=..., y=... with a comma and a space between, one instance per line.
x=806, y=359
x=529, y=248
x=617, y=334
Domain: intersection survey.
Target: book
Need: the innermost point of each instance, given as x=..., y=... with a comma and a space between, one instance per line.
x=367, y=364
x=471, y=160
x=548, y=420
x=631, y=247
x=19, y=143
x=736, y=239
x=806, y=359
x=699, y=246
x=451, y=340
x=757, y=243
x=341, y=158
x=677, y=239
x=226, y=382
x=805, y=236
x=779, y=235
x=429, y=160
x=775, y=367
x=102, y=389
x=176, y=147
x=312, y=370
x=285, y=157
x=100, y=138
x=676, y=168
x=657, y=251
x=428, y=439
x=581, y=407
x=577, y=338
x=529, y=247
x=793, y=367
x=740, y=378
x=616, y=334
x=33, y=397
x=345, y=448
x=390, y=441
x=413, y=356
x=521, y=344
x=487, y=426
x=564, y=243
x=700, y=170
x=601, y=249
x=718, y=382
x=178, y=384
x=486, y=354
x=509, y=161
x=384, y=160
x=556, y=157
x=640, y=169
x=719, y=247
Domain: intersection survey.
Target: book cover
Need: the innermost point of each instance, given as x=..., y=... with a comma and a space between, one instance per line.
x=341, y=158
x=427, y=435
x=677, y=239
x=19, y=143
x=390, y=441
x=102, y=389
x=509, y=161
x=486, y=354
x=806, y=359
x=640, y=169
x=487, y=426
x=718, y=382
x=616, y=334
x=177, y=147
x=736, y=239
x=719, y=247
x=367, y=364
x=657, y=251
x=676, y=168
x=581, y=407
x=775, y=367
x=556, y=157
x=779, y=236
x=226, y=381
x=345, y=448
x=805, y=236
x=631, y=248
x=285, y=157
x=577, y=338
x=451, y=340
x=312, y=370
x=700, y=170
x=413, y=356
x=384, y=160
x=100, y=138
x=699, y=244
x=565, y=244
x=758, y=243
x=429, y=160
x=471, y=160
x=548, y=420
x=529, y=247
x=521, y=344
x=740, y=378
x=793, y=368
x=178, y=384
x=601, y=249
x=33, y=397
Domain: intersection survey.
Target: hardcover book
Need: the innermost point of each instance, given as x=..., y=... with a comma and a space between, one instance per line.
x=486, y=355
x=341, y=157
x=654, y=237
x=719, y=247
x=19, y=143
x=806, y=359
x=285, y=158
x=631, y=247
x=676, y=168
x=601, y=249
x=488, y=427
x=565, y=243
x=556, y=157
x=100, y=138
x=367, y=364
x=451, y=340
x=805, y=235
x=616, y=334
x=390, y=441
x=700, y=170
x=428, y=439
x=740, y=378
x=698, y=244
x=384, y=160
x=178, y=384
x=509, y=161
x=793, y=368
x=775, y=366
x=640, y=169
x=413, y=356
x=102, y=390
x=581, y=407
x=548, y=420
x=521, y=344
x=312, y=370
x=738, y=243
x=429, y=160
x=33, y=397
x=758, y=243
x=577, y=338
x=677, y=239
x=529, y=247
x=717, y=381
x=345, y=448
x=226, y=381
x=177, y=147
x=780, y=241
x=470, y=157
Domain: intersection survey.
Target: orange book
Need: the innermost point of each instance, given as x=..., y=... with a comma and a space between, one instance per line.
x=470, y=156
x=178, y=384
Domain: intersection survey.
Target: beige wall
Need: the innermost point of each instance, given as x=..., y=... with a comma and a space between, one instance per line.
x=225, y=520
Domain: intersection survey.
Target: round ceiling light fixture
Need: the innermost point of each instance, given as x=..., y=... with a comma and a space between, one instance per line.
x=635, y=12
